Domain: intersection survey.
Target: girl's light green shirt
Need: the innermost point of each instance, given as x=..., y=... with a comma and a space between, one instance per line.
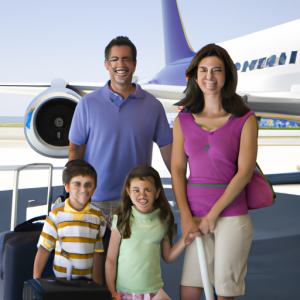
x=139, y=256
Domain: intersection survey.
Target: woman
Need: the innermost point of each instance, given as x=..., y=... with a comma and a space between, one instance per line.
x=216, y=134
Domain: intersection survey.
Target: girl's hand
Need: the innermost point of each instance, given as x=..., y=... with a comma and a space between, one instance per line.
x=189, y=230
x=208, y=224
x=116, y=296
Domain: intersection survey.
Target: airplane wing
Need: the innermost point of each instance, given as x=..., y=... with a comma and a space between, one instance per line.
x=37, y=88
x=271, y=103
x=286, y=103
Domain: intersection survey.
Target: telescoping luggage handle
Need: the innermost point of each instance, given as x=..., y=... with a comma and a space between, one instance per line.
x=14, y=207
x=209, y=294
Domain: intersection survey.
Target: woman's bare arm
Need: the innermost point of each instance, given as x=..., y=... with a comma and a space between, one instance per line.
x=112, y=260
x=178, y=168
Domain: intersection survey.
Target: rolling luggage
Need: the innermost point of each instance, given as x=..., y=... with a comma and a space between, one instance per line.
x=18, y=247
x=49, y=289
x=17, y=254
x=46, y=288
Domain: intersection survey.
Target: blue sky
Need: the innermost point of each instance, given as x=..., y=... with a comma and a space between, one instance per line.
x=42, y=40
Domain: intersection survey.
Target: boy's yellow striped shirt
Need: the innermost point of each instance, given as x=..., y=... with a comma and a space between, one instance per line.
x=75, y=236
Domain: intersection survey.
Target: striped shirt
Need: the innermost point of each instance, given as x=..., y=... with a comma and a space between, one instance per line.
x=75, y=236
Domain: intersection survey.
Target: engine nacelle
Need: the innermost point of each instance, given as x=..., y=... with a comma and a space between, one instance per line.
x=48, y=119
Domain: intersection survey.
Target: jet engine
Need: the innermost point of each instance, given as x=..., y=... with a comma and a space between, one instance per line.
x=48, y=119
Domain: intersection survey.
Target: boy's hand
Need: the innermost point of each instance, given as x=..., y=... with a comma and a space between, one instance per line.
x=116, y=296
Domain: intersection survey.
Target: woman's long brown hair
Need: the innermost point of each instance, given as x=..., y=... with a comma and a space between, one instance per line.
x=194, y=98
x=124, y=210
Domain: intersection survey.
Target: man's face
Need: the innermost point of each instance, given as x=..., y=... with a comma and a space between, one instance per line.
x=120, y=65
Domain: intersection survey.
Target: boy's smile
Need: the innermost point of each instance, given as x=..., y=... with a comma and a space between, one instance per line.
x=81, y=189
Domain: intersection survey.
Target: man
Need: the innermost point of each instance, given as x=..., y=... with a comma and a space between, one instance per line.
x=114, y=127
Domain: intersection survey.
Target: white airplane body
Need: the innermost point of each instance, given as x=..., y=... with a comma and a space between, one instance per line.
x=267, y=61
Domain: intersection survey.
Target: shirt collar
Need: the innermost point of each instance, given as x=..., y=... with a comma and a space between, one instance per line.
x=149, y=216
x=138, y=94
x=69, y=208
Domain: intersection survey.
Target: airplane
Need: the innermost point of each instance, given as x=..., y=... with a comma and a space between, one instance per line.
x=268, y=79
x=271, y=86
x=268, y=71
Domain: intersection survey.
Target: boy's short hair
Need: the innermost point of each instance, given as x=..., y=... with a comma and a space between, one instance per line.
x=78, y=167
x=120, y=41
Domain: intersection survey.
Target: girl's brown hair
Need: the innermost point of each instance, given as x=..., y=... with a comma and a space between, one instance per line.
x=124, y=210
x=194, y=99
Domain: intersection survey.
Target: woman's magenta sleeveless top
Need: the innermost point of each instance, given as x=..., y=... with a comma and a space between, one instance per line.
x=212, y=158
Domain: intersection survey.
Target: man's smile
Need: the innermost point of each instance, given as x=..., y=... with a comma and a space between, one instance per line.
x=121, y=71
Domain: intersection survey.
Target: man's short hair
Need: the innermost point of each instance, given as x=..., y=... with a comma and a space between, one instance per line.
x=78, y=167
x=120, y=41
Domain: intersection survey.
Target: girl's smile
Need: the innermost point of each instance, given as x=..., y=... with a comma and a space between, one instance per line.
x=143, y=194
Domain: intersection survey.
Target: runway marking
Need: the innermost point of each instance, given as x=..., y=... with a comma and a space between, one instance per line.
x=11, y=125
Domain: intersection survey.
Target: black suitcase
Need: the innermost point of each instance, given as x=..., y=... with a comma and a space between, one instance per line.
x=46, y=289
x=51, y=288
x=17, y=253
x=18, y=247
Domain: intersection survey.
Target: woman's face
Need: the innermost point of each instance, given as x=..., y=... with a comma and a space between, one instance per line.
x=211, y=75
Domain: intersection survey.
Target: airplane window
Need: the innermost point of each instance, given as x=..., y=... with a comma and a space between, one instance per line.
x=282, y=59
x=245, y=66
x=261, y=63
x=252, y=64
x=271, y=61
x=276, y=62
x=238, y=66
x=293, y=57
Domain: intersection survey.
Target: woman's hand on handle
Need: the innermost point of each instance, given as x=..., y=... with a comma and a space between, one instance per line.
x=207, y=224
x=189, y=230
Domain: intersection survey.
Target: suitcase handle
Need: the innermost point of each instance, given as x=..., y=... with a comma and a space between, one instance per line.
x=14, y=204
x=39, y=218
x=30, y=225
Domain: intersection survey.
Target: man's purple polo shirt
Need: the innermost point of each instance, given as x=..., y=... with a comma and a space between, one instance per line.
x=119, y=135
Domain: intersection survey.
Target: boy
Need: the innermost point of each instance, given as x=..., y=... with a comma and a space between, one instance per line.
x=74, y=230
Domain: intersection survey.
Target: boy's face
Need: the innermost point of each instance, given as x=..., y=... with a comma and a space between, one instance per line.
x=81, y=189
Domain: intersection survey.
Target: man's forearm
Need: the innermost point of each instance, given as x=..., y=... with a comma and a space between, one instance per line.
x=76, y=151
x=166, y=153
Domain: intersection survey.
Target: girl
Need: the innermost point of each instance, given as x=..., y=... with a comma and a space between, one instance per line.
x=142, y=223
x=217, y=136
